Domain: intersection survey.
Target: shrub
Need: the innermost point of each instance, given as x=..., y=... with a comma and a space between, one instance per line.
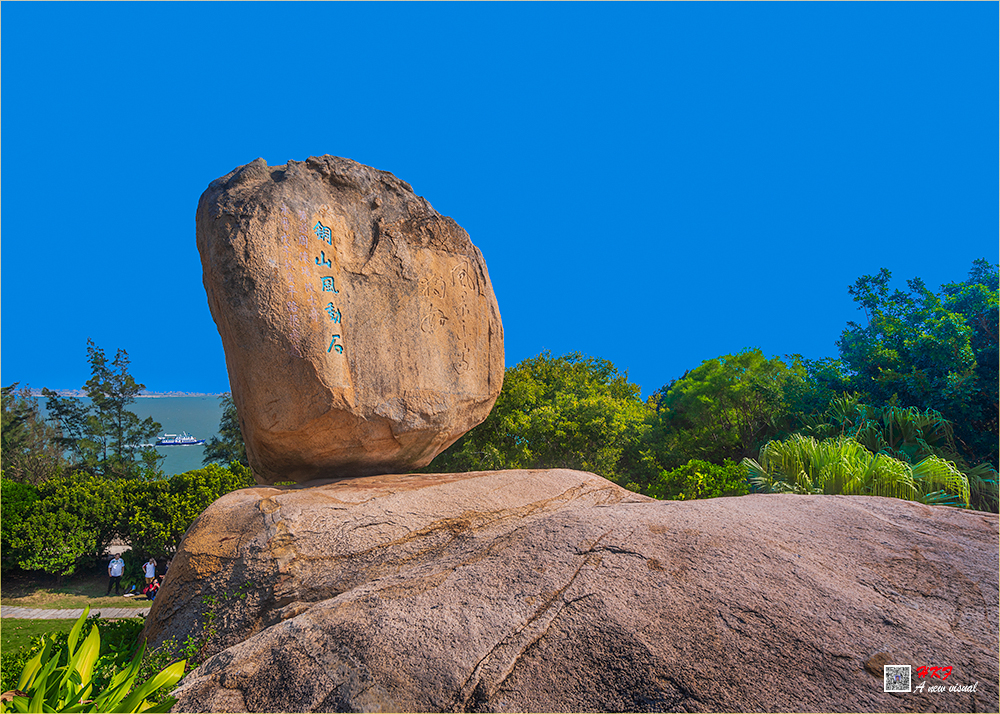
x=17, y=501
x=68, y=522
x=700, y=479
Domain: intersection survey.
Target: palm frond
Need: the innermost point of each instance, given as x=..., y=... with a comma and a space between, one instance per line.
x=935, y=474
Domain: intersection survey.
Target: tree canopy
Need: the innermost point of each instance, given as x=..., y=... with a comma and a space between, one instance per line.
x=29, y=450
x=930, y=351
x=725, y=408
x=69, y=521
x=554, y=412
x=104, y=436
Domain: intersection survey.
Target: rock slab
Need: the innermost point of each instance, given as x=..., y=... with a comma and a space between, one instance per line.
x=361, y=331
x=559, y=591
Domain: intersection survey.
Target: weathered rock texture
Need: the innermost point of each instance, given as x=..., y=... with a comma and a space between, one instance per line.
x=558, y=591
x=361, y=331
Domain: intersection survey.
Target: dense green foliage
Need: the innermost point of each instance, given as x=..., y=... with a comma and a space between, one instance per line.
x=73, y=674
x=725, y=408
x=67, y=522
x=568, y=412
x=29, y=451
x=801, y=464
x=228, y=446
x=931, y=351
x=105, y=437
x=699, y=479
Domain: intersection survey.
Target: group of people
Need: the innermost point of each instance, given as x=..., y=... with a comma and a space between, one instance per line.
x=116, y=569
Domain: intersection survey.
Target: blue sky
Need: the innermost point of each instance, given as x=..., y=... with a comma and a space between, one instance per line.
x=653, y=184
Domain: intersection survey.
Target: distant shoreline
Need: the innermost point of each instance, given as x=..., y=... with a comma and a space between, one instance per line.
x=141, y=395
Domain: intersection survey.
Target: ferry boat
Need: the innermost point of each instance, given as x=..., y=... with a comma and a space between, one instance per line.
x=184, y=439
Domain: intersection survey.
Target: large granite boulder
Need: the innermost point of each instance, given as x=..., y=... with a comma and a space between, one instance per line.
x=559, y=591
x=361, y=331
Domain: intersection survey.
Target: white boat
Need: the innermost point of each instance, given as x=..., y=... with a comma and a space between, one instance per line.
x=184, y=439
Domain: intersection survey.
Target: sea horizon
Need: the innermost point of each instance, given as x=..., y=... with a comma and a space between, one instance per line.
x=141, y=395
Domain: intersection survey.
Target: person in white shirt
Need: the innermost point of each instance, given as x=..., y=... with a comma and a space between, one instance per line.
x=115, y=569
x=149, y=568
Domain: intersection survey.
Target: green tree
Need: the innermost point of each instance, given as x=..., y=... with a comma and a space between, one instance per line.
x=725, y=408
x=54, y=542
x=66, y=523
x=194, y=491
x=931, y=351
x=105, y=436
x=29, y=448
x=554, y=412
x=229, y=445
x=156, y=514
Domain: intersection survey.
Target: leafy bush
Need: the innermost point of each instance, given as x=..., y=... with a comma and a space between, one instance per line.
x=68, y=522
x=74, y=517
x=700, y=479
x=17, y=500
x=54, y=542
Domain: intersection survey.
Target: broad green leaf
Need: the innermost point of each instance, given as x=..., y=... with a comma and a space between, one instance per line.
x=74, y=634
x=31, y=668
x=168, y=677
x=88, y=653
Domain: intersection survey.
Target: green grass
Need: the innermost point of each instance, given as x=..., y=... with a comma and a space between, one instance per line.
x=48, y=593
x=18, y=633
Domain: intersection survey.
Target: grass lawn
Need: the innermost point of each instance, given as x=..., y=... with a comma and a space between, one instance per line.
x=48, y=592
x=18, y=633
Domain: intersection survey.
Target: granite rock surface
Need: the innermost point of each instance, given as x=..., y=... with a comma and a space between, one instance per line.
x=361, y=332
x=559, y=591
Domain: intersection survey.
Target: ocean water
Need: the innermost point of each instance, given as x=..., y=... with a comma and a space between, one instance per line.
x=198, y=416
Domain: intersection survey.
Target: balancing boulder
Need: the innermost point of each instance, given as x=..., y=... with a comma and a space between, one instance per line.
x=361, y=332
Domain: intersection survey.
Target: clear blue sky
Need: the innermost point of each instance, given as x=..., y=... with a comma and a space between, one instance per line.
x=654, y=184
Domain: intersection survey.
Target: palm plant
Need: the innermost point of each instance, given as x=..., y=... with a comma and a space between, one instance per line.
x=842, y=465
x=910, y=435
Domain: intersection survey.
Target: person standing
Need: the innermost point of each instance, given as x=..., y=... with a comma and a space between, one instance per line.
x=115, y=570
x=149, y=568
